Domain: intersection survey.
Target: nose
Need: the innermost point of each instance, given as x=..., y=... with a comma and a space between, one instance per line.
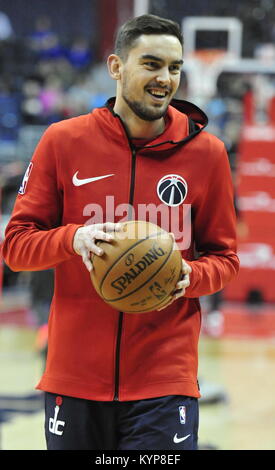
x=163, y=77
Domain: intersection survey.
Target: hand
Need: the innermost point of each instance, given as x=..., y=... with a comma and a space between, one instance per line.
x=181, y=285
x=85, y=239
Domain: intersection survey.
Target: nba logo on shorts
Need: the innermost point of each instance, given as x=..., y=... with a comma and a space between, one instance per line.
x=182, y=412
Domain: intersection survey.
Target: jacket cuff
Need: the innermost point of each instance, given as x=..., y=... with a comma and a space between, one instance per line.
x=69, y=238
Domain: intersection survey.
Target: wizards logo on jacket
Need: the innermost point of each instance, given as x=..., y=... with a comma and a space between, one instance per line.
x=172, y=190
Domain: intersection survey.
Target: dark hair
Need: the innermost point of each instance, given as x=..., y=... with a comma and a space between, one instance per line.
x=144, y=24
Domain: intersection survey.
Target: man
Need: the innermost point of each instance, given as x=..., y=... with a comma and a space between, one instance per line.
x=115, y=380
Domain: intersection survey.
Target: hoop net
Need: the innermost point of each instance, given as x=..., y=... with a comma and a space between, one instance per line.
x=209, y=56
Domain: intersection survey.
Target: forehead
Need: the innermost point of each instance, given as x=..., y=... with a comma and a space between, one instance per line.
x=164, y=46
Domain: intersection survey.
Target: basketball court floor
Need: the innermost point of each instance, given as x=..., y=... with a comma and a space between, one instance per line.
x=238, y=371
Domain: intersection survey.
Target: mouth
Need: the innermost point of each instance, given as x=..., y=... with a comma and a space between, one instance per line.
x=157, y=94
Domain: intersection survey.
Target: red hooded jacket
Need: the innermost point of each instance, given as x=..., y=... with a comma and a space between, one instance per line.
x=94, y=351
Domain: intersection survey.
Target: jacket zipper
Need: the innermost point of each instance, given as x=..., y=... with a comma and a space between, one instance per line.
x=120, y=319
x=117, y=357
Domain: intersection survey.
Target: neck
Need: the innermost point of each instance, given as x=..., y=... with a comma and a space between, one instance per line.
x=138, y=128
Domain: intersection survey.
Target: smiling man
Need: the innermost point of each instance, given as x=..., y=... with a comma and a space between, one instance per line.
x=148, y=75
x=115, y=380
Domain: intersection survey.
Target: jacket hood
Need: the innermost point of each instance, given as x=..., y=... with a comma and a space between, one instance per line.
x=185, y=119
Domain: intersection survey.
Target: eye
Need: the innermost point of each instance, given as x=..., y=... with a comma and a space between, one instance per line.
x=151, y=65
x=174, y=68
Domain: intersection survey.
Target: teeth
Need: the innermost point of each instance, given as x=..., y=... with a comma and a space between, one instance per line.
x=158, y=93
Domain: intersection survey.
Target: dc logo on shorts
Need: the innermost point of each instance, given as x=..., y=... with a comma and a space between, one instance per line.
x=56, y=426
x=172, y=190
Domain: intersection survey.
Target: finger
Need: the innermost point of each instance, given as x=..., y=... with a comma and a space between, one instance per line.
x=111, y=227
x=100, y=235
x=179, y=294
x=95, y=249
x=186, y=268
x=87, y=261
x=90, y=246
x=185, y=282
x=118, y=227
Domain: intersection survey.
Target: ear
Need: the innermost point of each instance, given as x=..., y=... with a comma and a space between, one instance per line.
x=114, y=66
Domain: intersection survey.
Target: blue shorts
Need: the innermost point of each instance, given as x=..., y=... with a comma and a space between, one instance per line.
x=163, y=423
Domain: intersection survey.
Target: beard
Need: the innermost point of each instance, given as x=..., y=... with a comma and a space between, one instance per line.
x=144, y=112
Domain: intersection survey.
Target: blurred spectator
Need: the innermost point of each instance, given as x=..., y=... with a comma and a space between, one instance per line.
x=80, y=95
x=59, y=67
x=265, y=53
x=102, y=81
x=31, y=107
x=79, y=54
x=45, y=42
x=218, y=116
x=263, y=90
x=9, y=112
x=6, y=30
x=43, y=100
x=52, y=99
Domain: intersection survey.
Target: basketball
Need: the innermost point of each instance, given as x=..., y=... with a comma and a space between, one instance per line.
x=139, y=269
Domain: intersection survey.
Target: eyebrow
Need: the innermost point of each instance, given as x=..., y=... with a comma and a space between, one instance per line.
x=158, y=59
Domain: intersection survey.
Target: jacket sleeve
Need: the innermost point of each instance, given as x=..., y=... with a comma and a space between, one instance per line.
x=34, y=238
x=214, y=224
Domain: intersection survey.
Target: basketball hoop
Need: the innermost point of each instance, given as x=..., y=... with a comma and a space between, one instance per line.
x=202, y=67
x=208, y=56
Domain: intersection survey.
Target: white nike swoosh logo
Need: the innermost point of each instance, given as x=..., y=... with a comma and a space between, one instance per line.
x=80, y=182
x=180, y=439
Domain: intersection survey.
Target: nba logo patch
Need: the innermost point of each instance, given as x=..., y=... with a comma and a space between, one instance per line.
x=24, y=183
x=182, y=412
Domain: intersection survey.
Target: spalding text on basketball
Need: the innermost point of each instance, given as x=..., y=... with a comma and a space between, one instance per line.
x=152, y=255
